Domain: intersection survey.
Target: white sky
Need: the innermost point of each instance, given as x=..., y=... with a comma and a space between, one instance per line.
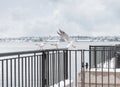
x=44, y=17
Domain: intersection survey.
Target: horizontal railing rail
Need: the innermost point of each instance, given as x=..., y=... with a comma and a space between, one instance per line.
x=28, y=52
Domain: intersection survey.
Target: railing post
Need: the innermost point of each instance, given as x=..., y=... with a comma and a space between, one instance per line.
x=43, y=69
x=47, y=69
x=82, y=69
x=65, y=53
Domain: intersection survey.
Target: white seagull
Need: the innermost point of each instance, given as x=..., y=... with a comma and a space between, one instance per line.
x=55, y=44
x=41, y=45
x=66, y=37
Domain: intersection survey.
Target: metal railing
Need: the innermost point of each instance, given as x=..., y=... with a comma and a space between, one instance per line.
x=33, y=68
x=96, y=67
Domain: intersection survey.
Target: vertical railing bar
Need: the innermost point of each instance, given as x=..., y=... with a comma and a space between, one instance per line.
x=64, y=67
x=99, y=58
x=39, y=59
x=70, y=66
x=52, y=68
x=107, y=53
x=115, y=73
x=2, y=73
x=66, y=64
x=22, y=71
x=43, y=69
x=96, y=67
x=34, y=69
x=19, y=70
x=108, y=66
x=90, y=66
x=84, y=67
x=95, y=57
x=29, y=85
x=103, y=58
x=48, y=67
x=81, y=69
x=56, y=66
x=59, y=68
x=40, y=65
x=6, y=73
x=26, y=72
x=37, y=71
x=111, y=53
x=53, y=65
x=75, y=68
x=15, y=72
x=11, y=71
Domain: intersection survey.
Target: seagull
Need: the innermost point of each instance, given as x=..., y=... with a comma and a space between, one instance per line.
x=55, y=44
x=66, y=38
x=41, y=45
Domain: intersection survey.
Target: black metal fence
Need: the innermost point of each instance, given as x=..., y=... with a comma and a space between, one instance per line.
x=101, y=54
x=96, y=67
x=104, y=67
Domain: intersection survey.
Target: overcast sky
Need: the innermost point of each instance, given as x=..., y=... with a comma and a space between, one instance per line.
x=44, y=17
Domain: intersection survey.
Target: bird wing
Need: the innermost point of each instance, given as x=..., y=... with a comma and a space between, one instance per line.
x=64, y=35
